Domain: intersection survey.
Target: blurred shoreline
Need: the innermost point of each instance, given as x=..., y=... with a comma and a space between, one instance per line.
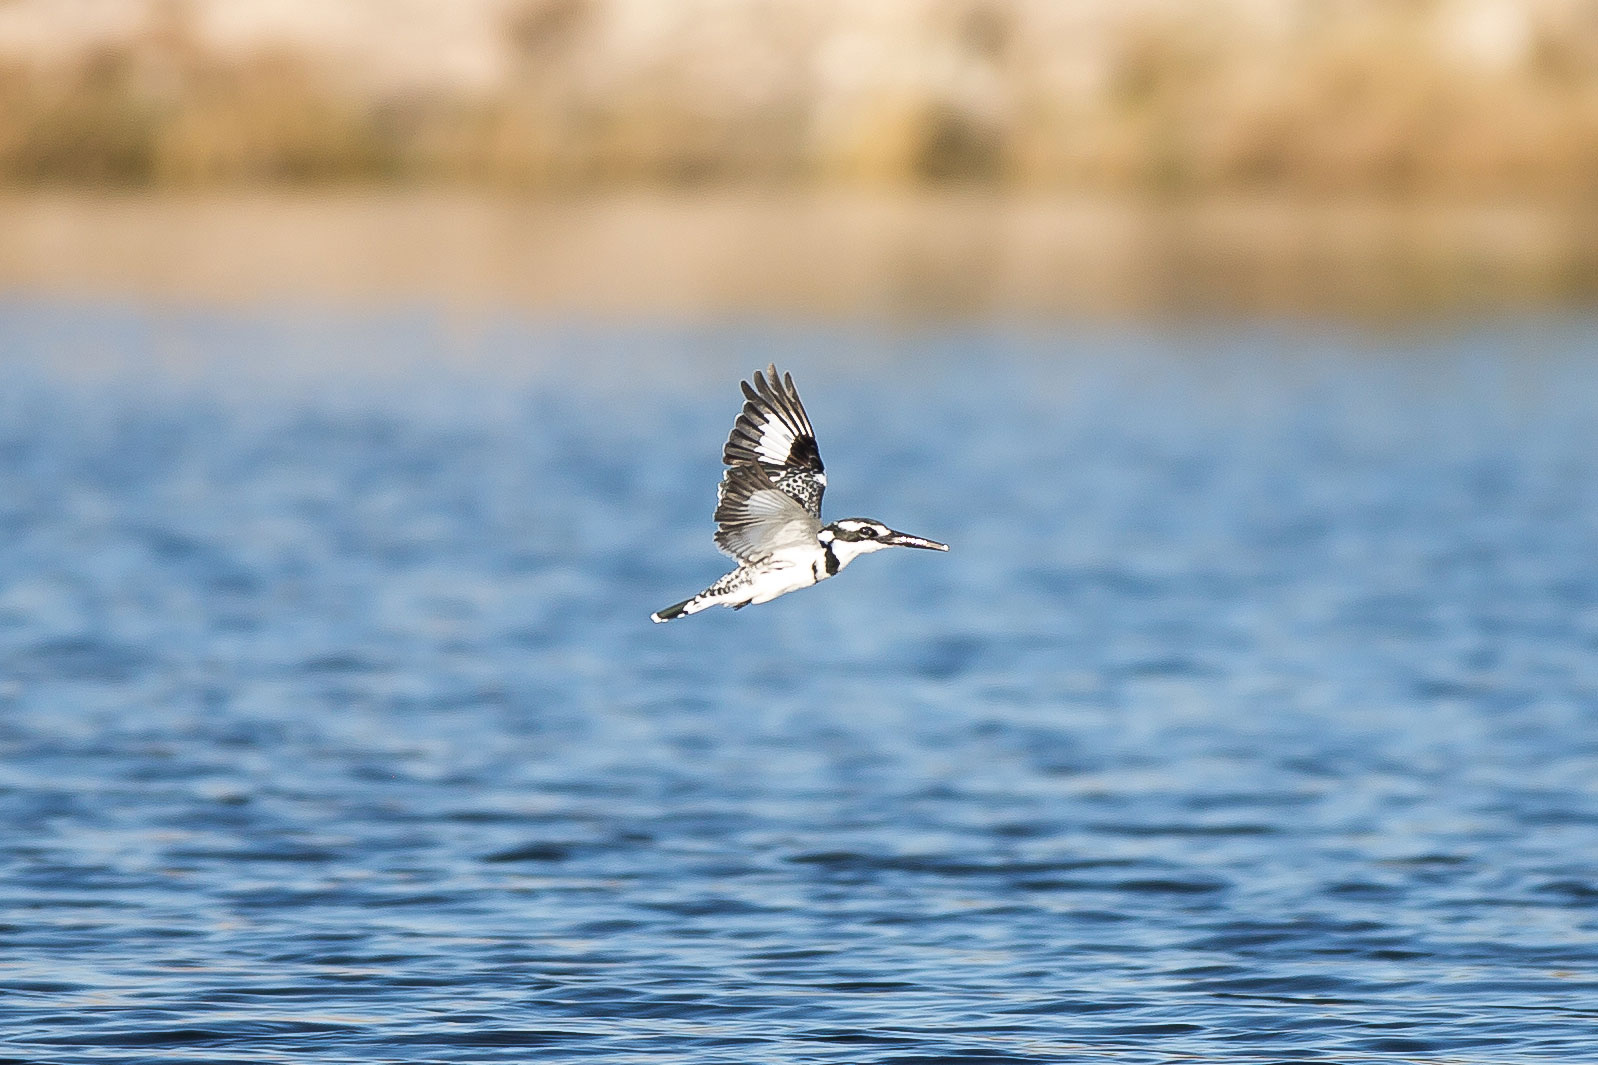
x=925, y=158
x=927, y=255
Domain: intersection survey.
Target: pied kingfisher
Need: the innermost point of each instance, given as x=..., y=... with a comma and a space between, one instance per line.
x=768, y=507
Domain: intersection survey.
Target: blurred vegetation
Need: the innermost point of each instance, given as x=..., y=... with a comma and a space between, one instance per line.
x=1358, y=98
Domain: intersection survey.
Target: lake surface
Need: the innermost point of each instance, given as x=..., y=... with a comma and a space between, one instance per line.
x=1253, y=715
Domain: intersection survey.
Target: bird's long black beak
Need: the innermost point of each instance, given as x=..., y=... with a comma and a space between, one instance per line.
x=899, y=539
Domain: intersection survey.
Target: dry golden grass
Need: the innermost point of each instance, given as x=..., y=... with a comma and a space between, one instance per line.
x=1367, y=105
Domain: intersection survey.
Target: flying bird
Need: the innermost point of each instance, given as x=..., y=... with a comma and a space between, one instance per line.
x=768, y=507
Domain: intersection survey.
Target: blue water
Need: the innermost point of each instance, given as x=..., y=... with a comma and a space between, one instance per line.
x=1252, y=717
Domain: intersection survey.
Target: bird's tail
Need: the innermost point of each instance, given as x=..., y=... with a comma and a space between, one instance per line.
x=671, y=613
x=694, y=605
x=712, y=596
x=731, y=590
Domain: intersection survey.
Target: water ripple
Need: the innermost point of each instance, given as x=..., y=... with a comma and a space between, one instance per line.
x=1252, y=717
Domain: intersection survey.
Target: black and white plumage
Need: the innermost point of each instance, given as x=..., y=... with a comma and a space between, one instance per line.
x=768, y=507
x=773, y=432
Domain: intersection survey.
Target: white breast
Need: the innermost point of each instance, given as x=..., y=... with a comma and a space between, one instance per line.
x=787, y=571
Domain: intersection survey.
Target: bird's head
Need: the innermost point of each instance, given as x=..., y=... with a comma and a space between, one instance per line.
x=853, y=537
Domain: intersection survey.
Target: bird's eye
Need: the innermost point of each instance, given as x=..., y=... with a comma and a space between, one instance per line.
x=869, y=533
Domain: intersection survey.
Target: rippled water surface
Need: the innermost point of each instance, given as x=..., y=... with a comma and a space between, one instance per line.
x=1252, y=717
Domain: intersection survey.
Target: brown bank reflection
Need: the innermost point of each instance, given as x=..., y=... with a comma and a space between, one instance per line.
x=934, y=255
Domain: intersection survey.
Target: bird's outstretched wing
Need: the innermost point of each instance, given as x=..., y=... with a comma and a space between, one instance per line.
x=756, y=518
x=773, y=434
